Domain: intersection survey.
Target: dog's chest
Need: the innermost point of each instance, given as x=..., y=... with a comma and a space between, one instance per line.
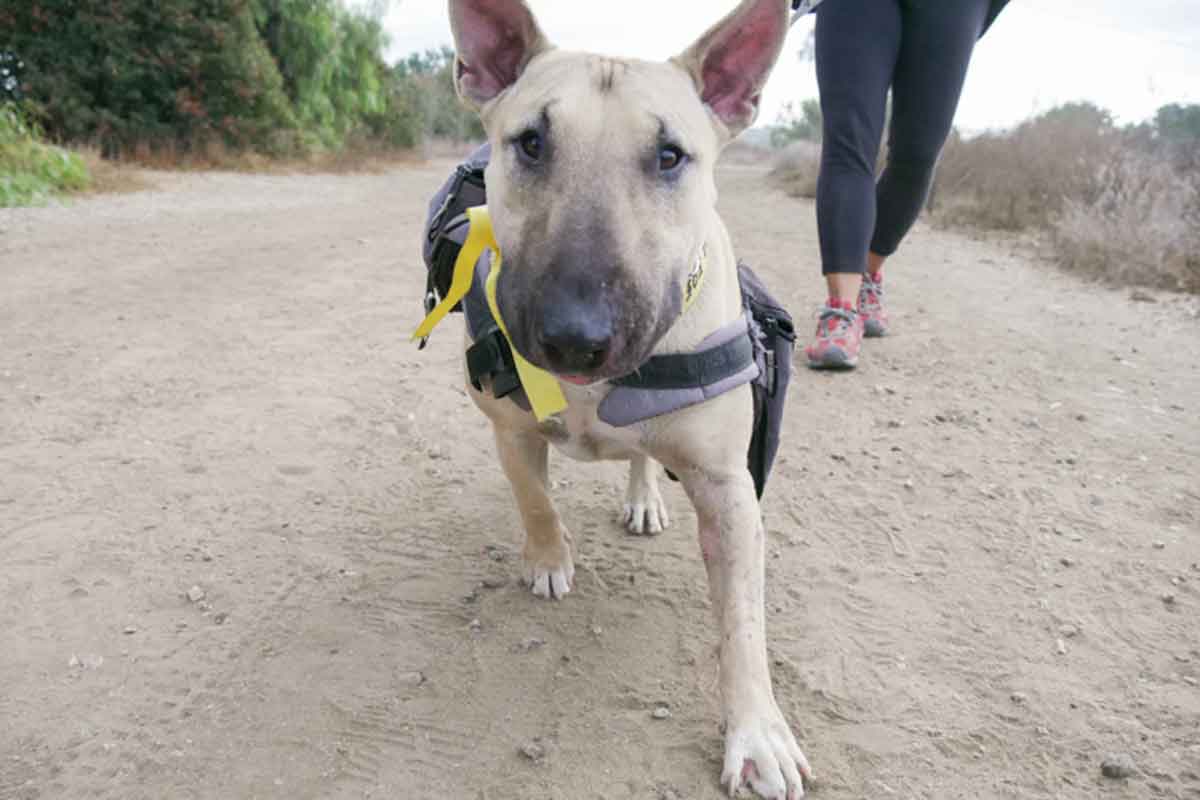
x=578, y=432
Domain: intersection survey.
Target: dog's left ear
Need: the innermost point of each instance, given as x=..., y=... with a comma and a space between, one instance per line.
x=731, y=62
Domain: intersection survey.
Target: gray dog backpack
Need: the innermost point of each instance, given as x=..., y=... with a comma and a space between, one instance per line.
x=756, y=348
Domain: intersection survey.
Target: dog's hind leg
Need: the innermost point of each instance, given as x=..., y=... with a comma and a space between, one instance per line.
x=644, y=512
x=547, y=552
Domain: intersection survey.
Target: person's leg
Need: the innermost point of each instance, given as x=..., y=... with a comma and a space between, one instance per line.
x=857, y=45
x=858, y=42
x=935, y=50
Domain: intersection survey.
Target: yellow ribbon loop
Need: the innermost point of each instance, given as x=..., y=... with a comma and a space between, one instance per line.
x=543, y=390
x=479, y=238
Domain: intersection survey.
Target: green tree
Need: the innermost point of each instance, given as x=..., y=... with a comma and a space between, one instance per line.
x=1178, y=123
x=426, y=80
x=331, y=63
x=803, y=124
x=124, y=71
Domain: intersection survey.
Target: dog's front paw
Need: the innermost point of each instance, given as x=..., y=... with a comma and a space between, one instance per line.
x=549, y=571
x=761, y=753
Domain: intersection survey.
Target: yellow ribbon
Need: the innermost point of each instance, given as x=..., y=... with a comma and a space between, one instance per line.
x=479, y=237
x=543, y=390
x=695, y=279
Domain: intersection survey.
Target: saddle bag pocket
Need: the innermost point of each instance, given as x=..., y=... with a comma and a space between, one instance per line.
x=446, y=225
x=775, y=339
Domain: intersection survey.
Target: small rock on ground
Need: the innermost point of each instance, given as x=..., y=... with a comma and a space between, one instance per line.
x=533, y=751
x=1117, y=766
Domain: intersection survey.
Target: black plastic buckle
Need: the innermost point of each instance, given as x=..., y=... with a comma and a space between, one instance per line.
x=430, y=303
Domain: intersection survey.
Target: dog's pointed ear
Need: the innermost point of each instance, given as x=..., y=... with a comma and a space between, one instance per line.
x=731, y=61
x=494, y=40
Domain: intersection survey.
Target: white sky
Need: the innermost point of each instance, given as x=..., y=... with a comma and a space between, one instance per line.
x=1127, y=57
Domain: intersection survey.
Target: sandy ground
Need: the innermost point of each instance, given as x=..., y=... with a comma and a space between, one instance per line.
x=984, y=545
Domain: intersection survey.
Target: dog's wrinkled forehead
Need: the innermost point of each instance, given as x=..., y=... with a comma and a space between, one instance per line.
x=588, y=106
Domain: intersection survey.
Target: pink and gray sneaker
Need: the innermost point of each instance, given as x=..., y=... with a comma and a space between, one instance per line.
x=839, y=336
x=870, y=306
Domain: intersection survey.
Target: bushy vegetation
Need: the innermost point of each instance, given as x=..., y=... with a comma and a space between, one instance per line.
x=794, y=124
x=30, y=170
x=1118, y=203
x=277, y=77
x=426, y=82
x=796, y=168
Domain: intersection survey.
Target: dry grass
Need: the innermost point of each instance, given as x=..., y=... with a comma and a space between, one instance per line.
x=1110, y=204
x=113, y=177
x=1143, y=227
x=746, y=153
x=796, y=169
x=1022, y=179
x=1110, y=207
x=363, y=156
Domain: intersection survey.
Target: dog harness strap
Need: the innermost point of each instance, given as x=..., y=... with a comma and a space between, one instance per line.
x=692, y=370
x=728, y=366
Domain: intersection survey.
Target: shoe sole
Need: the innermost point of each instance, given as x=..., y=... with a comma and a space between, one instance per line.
x=874, y=330
x=833, y=359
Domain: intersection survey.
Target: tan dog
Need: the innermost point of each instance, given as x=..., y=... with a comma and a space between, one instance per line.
x=601, y=191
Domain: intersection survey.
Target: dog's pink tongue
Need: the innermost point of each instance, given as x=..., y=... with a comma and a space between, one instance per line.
x=578, y=380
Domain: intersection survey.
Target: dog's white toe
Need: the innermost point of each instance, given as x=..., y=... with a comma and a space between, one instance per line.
x=644, y=512
x=646, y=516
x=551, y=584
x=550, y=575
x=761, y=753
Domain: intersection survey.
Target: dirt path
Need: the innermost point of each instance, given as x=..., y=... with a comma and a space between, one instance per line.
x=984, y=546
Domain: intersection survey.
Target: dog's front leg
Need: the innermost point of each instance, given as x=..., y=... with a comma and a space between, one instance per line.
x=547, y=552
x=760, y=750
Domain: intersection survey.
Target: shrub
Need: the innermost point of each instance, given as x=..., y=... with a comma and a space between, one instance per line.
x=1118, y=204
x=1023, y=178
x=425, y=83
x=1143, y=227
x=796, y=169
x=279, y=77
x=31, y=171
x=797, y=125
x=123, y=72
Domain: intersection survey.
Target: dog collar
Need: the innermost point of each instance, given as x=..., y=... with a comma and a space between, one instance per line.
x=545, y=395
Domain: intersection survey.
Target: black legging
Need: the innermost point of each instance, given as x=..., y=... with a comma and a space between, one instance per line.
x=918, y=48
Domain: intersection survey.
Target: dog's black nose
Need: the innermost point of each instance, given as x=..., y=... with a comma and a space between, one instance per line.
x=576, y=342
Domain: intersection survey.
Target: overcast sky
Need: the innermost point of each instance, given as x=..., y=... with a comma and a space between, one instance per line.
x=1128, y=57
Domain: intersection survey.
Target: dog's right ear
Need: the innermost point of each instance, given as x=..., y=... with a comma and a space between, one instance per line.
x=494, y=41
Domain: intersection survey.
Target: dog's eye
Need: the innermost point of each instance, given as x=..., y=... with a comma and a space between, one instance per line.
x=530, y=143
x=670, y=158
